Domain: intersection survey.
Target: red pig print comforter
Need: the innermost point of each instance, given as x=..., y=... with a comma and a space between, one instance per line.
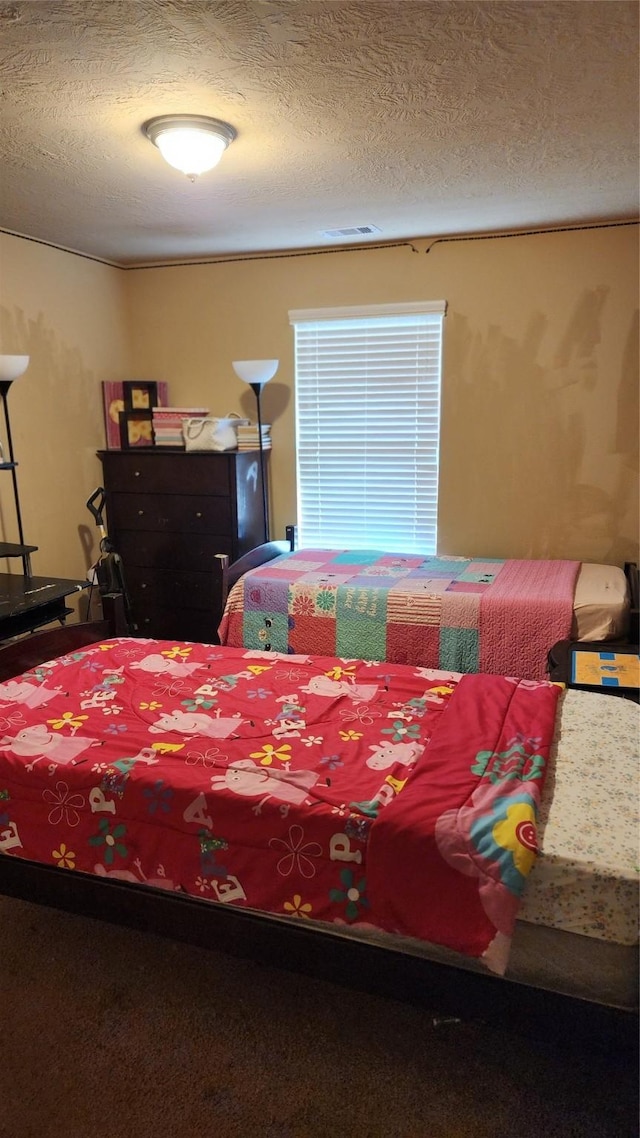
x=347, y=791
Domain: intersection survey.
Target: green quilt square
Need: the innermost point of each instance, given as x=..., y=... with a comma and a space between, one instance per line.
x=266, y=631
x=459, y=649
x=361, y=622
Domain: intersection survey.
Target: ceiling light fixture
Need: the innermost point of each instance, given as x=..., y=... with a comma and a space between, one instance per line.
x=190, y=143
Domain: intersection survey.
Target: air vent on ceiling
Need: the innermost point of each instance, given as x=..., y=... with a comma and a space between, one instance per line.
x=351, y=231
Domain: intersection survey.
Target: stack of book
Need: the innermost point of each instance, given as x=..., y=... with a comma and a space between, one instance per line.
x=167, y=424
x=249, y=439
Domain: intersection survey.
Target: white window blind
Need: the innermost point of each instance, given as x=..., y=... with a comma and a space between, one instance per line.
x=367, y=426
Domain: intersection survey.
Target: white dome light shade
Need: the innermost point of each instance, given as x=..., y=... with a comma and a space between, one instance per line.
x=255, y=371
x=190, y=143
x=11, y=367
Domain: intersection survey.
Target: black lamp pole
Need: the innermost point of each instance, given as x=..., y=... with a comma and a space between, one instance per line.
x=257, y=390
x=5, y=384
x=256, y=373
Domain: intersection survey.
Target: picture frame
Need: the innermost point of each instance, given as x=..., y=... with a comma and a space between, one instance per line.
x=139, y=395
x=129, y=395
x=136, y=428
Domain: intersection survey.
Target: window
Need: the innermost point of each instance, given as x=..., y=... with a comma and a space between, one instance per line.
x=367, y=426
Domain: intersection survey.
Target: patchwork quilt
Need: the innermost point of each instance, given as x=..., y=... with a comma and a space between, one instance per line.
x=453, y=613
x=307, y=786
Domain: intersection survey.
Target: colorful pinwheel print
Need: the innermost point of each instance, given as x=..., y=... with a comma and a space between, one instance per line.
x=269, y=753
x=400, y=731
x=67, y=719
x=110, y=839
x=352, y=894
x=64, y=858
x=296, y=908
x=159, y=797
x=332, y=762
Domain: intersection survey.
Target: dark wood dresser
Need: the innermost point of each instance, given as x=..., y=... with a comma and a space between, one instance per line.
x=168, y=514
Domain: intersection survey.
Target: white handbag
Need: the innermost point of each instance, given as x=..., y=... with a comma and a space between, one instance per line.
x=207, y=433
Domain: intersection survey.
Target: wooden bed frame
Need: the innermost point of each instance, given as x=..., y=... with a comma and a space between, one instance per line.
x=448, y=992
x=227, y=572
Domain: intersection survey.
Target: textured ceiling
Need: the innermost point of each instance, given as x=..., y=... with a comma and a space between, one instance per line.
x=419, y=117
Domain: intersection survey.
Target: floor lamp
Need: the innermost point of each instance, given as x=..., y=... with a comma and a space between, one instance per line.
x=11, y=367
x=256, y=373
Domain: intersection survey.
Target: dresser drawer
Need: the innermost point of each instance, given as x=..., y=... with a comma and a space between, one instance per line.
x=150, y=471
x=166, y=588
x=178, y=624
x=172, y=513
x=171, y=550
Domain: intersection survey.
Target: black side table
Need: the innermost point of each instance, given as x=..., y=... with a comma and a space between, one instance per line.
x=598, y=666
x=28, y=603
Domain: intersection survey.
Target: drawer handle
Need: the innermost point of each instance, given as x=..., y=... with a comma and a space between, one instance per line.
x=199, y=514
x=140, y=513
x=143, y=585
x=136, y=474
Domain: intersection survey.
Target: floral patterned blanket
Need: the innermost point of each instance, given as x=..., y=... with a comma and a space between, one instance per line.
x=350, y=792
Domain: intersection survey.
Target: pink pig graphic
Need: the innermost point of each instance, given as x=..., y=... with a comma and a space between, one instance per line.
x=322, y=685
x=162, y=666
x=38, y=742
x=385, y=755
x=291, y=658
x=159, y=882
x=190, y=723
x=247, y=778
x=20, y=691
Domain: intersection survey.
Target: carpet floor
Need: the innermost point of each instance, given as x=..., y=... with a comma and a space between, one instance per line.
x=105, y=1031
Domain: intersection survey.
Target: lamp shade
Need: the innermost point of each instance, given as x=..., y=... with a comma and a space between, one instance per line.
x=255, y=371
x=11, y=367
x=190, y=143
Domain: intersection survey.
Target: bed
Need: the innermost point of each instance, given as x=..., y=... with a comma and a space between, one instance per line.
x=460, y=614
x=368, y=822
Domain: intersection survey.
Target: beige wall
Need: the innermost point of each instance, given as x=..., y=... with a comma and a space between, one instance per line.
x=67, y=313
x=540, y=385
x=540, y=382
